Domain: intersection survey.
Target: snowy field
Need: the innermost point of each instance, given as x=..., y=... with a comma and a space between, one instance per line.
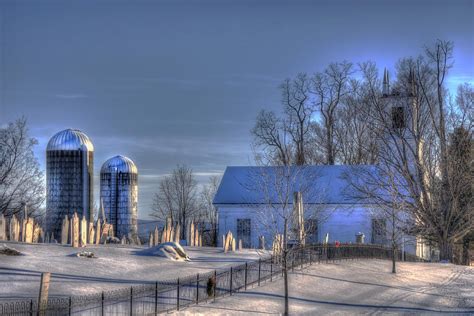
x=115, y=267
x=358, y=287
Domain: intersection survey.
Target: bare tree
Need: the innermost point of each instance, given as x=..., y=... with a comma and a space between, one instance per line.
x=355, y=140
x=380, y=187
x=275, y=187
x=209, y=210
x=414, y=145
x=329, y=89
x=21, y=180
x=299, y=113
x=461, y=168
x=285, y=140
x=270, y=135
x=177, y=198
x=450, y=222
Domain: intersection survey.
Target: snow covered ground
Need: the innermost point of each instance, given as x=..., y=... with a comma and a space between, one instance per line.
x=358, y=287
x=116, y=267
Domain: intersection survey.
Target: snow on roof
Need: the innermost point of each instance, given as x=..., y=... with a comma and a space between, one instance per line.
x=318, y=184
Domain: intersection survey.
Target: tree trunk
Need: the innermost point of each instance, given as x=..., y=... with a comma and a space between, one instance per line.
x=285, y=266
x=465, y=251
x=329, y=139
x=394, y=258
x=214, y=237
x=445, y=249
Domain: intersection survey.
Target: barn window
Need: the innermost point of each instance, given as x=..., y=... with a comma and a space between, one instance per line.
x=243, y=231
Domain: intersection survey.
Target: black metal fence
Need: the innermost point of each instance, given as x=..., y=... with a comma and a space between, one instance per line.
x=165, y=296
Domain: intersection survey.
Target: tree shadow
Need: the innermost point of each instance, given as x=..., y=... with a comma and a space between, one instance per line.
x=406, y=289
x=390, y=308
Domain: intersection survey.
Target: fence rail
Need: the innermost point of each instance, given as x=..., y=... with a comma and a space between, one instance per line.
x=165, y=296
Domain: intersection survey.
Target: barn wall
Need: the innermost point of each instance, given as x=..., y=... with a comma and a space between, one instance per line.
x=341, y=222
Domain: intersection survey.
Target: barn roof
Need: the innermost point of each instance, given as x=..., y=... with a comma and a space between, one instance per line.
x=318, y=184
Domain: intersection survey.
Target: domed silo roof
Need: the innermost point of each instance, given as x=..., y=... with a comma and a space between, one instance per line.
x=70, y=139
x=119, y=164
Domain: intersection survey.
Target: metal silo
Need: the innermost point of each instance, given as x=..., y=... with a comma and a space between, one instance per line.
x=69, y=177
x=119, y=195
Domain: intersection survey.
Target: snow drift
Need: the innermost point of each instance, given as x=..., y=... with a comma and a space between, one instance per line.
x=170, y=250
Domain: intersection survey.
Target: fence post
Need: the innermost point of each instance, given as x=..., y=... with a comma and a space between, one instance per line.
x=156, y=298
x=271, y=269
x=177, y=296
x=259, y=267
x=230, y=285
x=293, y=262
x=246, y=267
x=70, y=304
x=31, y=307
x=197, y=288
x=102, y=304
x=131, y=300
x=215, y=285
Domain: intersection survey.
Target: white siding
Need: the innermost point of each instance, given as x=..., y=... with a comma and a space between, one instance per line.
x=341, y=222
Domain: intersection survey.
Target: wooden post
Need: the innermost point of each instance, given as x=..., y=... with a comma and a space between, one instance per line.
x=245, y=282
x=215, y=286
x=197, y=288
x=131, y=300
x=271, y=269
x=102, y=309
x=259, y=269
x=177, y=296
x=230, y=286
x=43, y=293
x=156, y=298
x=293, y=263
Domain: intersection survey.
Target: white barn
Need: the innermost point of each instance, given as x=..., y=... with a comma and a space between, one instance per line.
x=331, y=204
x=249, y=198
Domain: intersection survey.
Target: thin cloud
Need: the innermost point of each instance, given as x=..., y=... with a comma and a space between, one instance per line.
x=70, y=96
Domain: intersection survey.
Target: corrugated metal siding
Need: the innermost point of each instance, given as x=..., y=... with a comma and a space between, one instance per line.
x=119, y=194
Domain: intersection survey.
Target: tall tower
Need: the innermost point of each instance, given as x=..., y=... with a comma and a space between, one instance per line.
x=119, y=195
x=69, y=178
x=401, y=110
x=386, y=83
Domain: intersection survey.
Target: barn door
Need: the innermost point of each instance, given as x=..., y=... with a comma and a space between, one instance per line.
x=243, y=231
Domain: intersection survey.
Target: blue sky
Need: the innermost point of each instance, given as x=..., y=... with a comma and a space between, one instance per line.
x=167, y=82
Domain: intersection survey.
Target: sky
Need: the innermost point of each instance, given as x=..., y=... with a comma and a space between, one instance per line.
x=181, y=82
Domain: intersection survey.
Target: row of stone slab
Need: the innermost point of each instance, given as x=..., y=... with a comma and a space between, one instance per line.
x=24, y=230
x=172, y=233
x=79, y=232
